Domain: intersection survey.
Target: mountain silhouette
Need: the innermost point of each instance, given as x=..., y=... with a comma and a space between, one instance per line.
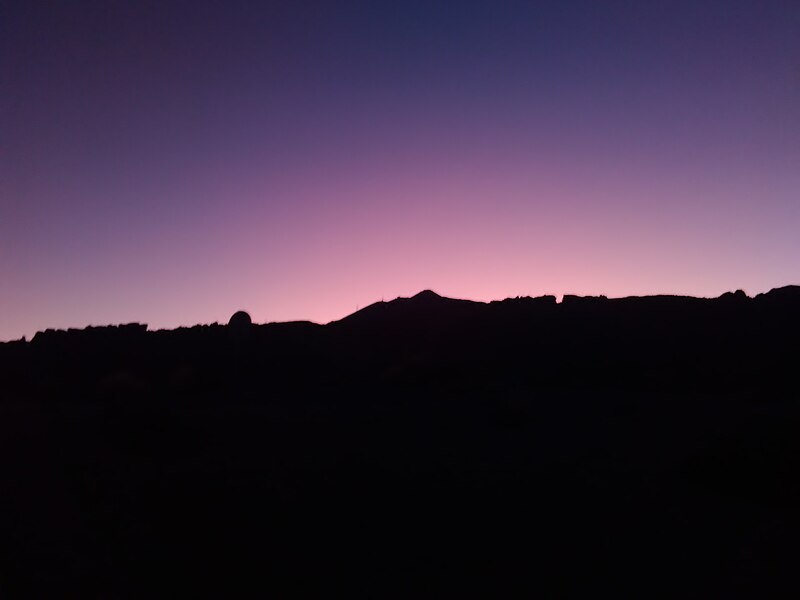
x=423, y=310
x=420, y=446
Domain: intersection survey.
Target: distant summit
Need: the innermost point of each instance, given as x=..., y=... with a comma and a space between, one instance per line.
x=420, y=310
x=426, y=295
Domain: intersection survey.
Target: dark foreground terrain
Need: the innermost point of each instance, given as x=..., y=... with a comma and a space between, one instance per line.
x=641, y=447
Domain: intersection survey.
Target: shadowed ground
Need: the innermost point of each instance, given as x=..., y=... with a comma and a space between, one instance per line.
x=425, y=446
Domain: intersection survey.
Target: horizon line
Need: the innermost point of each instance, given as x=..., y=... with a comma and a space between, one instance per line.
x=559, y=299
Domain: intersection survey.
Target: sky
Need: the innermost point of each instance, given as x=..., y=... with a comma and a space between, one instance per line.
x=172, y=162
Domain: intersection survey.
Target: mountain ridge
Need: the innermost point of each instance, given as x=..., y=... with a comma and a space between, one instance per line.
x=427, y=300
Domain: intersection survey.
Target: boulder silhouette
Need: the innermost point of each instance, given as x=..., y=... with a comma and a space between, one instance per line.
x=240, y=320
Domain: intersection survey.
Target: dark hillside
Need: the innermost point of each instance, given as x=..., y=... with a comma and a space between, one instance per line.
x=420, y=447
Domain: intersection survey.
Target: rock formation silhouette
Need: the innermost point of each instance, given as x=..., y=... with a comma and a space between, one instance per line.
x=240, y=320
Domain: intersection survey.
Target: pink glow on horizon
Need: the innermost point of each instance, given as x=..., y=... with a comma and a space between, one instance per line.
x=342, y=244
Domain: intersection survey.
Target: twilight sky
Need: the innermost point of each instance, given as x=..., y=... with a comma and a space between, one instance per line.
x=172, y=162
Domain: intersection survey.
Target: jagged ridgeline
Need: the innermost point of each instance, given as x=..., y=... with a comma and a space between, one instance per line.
x=656, y=341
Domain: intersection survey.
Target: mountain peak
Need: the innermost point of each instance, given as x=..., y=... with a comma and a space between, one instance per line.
x=426, y=295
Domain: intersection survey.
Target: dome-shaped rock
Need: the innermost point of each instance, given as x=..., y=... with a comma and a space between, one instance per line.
x=240, y=320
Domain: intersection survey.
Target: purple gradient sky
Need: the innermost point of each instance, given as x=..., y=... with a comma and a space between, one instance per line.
x=170, y=163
